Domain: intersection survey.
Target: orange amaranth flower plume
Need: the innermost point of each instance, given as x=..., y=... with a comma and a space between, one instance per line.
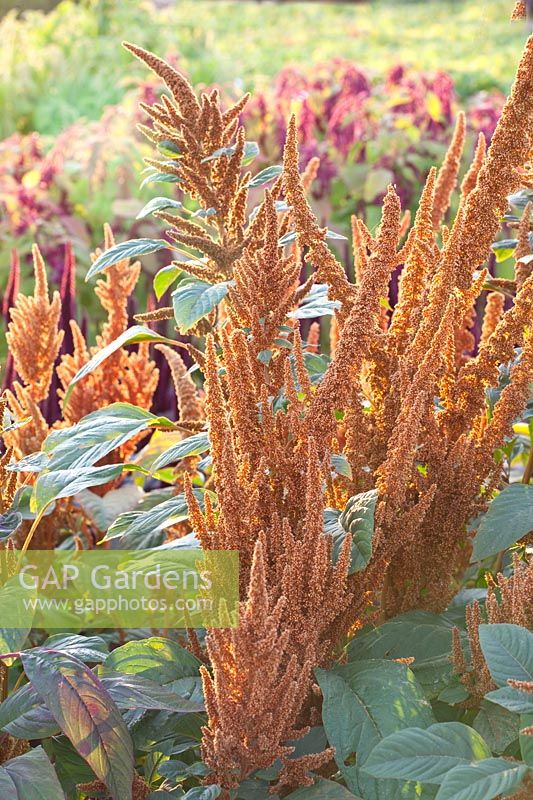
x=33, y=337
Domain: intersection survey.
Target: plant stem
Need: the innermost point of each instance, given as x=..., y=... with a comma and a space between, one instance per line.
x=528, y=472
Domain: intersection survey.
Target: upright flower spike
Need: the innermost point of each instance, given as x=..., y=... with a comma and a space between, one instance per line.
x=470, y=179
x=523, y=252
x=33, y=337
x=361, y=326
x=190, y=406
x=309, y=234
x=494, y=309
x=499, y=174
x=210, y=145
x=448, y=173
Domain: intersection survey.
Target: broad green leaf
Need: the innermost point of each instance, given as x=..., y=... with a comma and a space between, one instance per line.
x=10, y=522
x=158, y=204
x=322, y=790
x=51, y=486
x=194, y=299
x=504, y=249
x=521, y=198
x=426, y=755
x=315, y=304
x=103, y=511
x=508, y=519
x=192, y=446
x=97, y=435
x=168, y=147
x=30, y=777
x=341, y=465
x=421, y=635
x=86, y=714
x=24, y=715
x=251, y=150
x=145, y=525
x=363, y=703
x=158, y=659
x=124, y=250
x=508, y=651
x=357, y=521
x=134, y=335
x=498, y=726
x=12, y=640
x=70, y=767
x=526, y=741
x=512, y=699
x=18, y=704
x=137, y=692
x=160, y=177
x=210, y=792
x=265, y=176
x=164, y=279
x=482, y=781
x=91, y=649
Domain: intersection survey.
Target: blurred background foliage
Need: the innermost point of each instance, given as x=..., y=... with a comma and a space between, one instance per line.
x=68, y=64
x=376, y=86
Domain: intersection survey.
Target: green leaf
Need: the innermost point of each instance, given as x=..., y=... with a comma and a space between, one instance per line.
x=92, y=649
x=363, y=703
x=341, y=465
x=508, y=519
x=24, y=715
x=194, y=299
x=135, y=692
x=504, y=249
x=160, y=177
x=192, y=446
x=508, y=651
x=164, y=279
x=315, y=304
x=134, y=335
x=526, y=741
x=130, y=249
x=357, y=521
x=143, y=525
x=11, y=640
x=265, y=176
x=86, y=714
x=421, y=635
x=203, y=793
x=158, y=204
x=498, y=726
x=70, y=767
x=51, y=486
x=97, y=435
x=322, y=790
x=251, y=150
x=512, y=699
x=158, y=659
x=30, y=777
x=427, y=755
x=482, y=781
x=168, y=147
x=10, y=523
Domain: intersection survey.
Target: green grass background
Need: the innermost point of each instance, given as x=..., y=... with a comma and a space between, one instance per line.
x=69, y=64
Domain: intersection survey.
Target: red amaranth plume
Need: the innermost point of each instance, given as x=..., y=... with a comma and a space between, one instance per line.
x=12, y=290
x=68, y=297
